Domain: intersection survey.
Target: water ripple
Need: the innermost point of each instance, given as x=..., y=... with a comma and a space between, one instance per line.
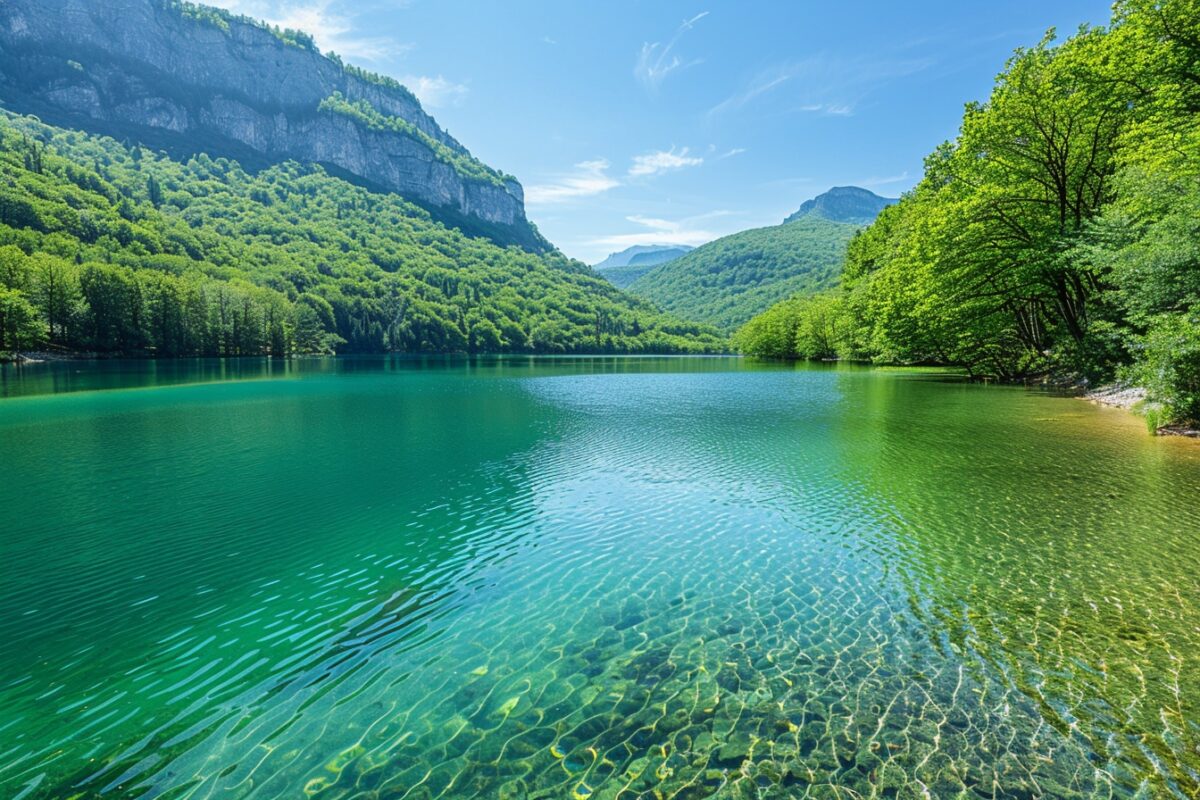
x=675, y=578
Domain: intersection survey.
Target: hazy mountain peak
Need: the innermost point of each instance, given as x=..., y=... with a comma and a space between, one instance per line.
x=844, y=204
x=624, y=257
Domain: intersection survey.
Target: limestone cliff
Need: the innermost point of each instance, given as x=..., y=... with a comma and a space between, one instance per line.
x=188, y=79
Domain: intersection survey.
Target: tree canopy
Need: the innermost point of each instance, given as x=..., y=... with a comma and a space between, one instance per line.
x=119, y=250
x=1058, y=234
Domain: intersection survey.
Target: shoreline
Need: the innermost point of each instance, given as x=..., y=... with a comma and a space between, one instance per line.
x=1129, y=398
x=43, y=357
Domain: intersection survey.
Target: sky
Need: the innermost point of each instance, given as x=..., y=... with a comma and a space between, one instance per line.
x=679, y=121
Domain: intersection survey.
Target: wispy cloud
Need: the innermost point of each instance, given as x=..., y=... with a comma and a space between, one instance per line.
x=731, y=152
x=884, y=181
x=654, y=230
x=331, y=28
x=760, y=84
x=821, y=85
x=662, y=161
x=435, y=92
x=588, y=178
x=839, y=109
x=657, y=60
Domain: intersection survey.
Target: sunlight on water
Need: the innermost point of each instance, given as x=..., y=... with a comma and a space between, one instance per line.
x=588, y=578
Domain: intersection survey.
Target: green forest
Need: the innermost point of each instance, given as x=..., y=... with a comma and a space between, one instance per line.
x=1056, y=238
x=726, y=282
x=112, y=249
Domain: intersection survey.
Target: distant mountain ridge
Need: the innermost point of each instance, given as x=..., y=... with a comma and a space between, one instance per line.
x=626, y=256
x=849, y=204
x=729, y=280
x=623, y=268
x=658, y=257
x=192, y=79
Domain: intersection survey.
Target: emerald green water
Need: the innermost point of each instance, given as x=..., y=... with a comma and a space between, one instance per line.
x=556, y=578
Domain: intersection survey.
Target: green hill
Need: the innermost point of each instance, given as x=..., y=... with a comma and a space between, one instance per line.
x=726, y=282
x=116, y=249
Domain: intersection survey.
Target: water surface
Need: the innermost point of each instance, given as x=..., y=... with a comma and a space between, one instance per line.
x=623, y=577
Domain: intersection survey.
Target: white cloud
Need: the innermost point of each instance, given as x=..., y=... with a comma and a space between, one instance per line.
x=435, y=92
x=662, y=161
x=589, y=178
x=731, y=152
x=877, y=181
x=657, y=60
x=332, y=29
x=689, y=231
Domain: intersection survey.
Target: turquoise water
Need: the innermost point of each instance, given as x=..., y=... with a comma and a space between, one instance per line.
x=624, y=577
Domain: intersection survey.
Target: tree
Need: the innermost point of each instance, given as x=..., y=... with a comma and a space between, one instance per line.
x=114, y=303
x=56, y=285
x=20, y=327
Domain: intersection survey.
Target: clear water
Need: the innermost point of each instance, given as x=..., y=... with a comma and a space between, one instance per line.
x=588, y=578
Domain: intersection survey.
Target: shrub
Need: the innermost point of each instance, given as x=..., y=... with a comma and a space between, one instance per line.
x=1168, y=365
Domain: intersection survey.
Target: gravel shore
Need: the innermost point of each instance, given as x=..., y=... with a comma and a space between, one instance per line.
x=1128, y=397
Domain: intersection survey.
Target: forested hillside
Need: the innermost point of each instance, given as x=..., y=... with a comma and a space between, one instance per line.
x=727, y=281
x=1057, y=235
x=115, y=249
x=187, y=79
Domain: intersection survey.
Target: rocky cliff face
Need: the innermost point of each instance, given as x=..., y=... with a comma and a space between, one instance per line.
x=844, y=204
x=193, y=79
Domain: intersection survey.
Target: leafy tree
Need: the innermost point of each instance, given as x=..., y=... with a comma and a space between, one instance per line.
x=55, y=283
x=1168, y=365
x=20, y=326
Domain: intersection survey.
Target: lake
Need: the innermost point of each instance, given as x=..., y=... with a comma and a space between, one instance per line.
x=588, y=578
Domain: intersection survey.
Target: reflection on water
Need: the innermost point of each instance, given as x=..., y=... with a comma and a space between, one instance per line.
x=605, y=578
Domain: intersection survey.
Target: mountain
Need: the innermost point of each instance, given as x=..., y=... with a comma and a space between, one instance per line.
x=189, y=79
x=632, y=263
x=623, y=258
x=729, y=280
x=849, y=204
x=658, y=257
x=198, y=184
x=118, y=250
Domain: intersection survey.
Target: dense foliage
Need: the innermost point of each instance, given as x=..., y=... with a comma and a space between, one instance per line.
x=118, y=250
x=726, y=282
x=624, y=276
x=810, y=326
x=1060, y=232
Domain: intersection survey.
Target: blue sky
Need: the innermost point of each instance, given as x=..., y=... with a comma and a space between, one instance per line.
x=636, y=122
